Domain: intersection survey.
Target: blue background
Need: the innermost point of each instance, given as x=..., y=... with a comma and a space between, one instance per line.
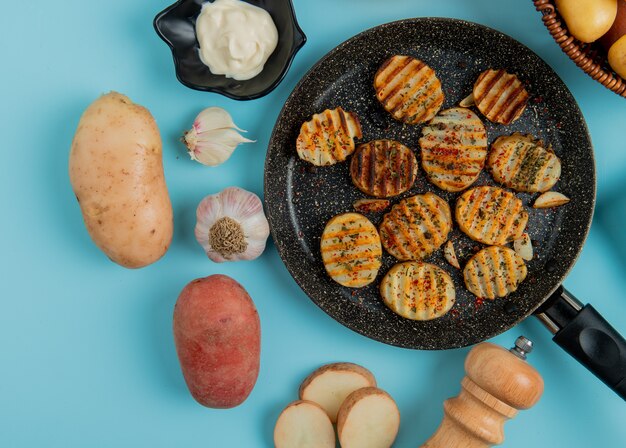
x=86, y=350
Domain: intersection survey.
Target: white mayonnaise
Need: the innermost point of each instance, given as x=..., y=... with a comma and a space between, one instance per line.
x=235, y=37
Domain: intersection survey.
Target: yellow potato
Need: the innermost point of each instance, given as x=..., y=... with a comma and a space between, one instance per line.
x=617, y=56
x=116, y=171
x=587, y=20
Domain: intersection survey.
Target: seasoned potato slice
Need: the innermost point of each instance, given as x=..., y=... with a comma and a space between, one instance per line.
x=500, y=96
x=494, y=272
x=329, y=385
x=522, y=163
x=328, y=137
x=491, y=215
x=368, y=418
x=454, y=148
x=416, y=227
x=351, y=250
x=304, y=424
x=408, y=89
x=418, y=291
x=383, y=168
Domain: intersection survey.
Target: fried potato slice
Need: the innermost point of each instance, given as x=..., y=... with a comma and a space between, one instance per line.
x=408, y=89
x=521, y=163
x=351, y=250
x=328, y=137
x=495, y=271
x=454, y=148
x=491, y=215
x=500, y=96
x=416, y=226
x=383, y=168
x=418, y=291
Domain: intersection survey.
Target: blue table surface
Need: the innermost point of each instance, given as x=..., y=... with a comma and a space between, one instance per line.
x=86, y=349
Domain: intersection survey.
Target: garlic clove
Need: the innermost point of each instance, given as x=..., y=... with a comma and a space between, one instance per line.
x=213, y=137
x=524, y=247
x=214, y=118
x=550, y=199
x=231, y=225
x=468, y=101
x=450, y=255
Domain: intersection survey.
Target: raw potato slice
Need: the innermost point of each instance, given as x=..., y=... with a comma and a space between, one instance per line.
x=303, y=424
x=351, y=250
x=328, y=137
x=329, y=385
x=370, y=205
x=550, y=199
x=408, y=89
x=416, y=227
x=454, y=149
x=368, y=418
x=383, y=168
x=495, y=271
x=418, y=291
x=500, y=96
x=491, y=215
x=522, y=163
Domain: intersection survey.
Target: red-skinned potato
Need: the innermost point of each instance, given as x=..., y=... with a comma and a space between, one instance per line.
x=217, y=333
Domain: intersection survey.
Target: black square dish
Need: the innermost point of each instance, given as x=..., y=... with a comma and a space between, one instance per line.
x=176, y=26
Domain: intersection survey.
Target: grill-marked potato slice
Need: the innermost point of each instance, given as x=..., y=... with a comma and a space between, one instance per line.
x=328, y=137
x=491, y=215
x=500, y=96
x=454, y=148
x=383, y=168
x=416, y=227
x=494, y=272
x=522, y=163
x=408, y=89
x=351, y=250
x=418, y=291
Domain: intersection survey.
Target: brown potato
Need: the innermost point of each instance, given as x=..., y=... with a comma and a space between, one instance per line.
x=116, y=171
x=217, y=333
x=587, y=20
x=329, y=385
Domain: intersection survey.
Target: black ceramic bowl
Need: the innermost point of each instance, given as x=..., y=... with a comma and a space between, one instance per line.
x=176, y=26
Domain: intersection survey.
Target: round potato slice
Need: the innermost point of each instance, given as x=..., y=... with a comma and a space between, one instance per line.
x=383, y=168
x=303, y=424
x=491, y=215
x=329, y=385
x=522, y=163
x=500, y=96
x=408, y=89
x=418, y=291
x=416, y=227
x=495, y=271
x=351, y=250
x=454, y=148
x=328, y=137
x=368, y=418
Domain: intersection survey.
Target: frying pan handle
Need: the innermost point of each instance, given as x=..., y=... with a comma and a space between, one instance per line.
x=583, y=333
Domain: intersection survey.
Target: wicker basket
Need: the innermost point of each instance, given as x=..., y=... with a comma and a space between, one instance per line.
x=590, y=57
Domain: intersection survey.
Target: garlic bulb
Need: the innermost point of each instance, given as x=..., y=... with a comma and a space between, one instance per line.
x=213, y=137
x=231, y=225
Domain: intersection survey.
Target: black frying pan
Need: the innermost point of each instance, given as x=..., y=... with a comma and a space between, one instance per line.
x=300, y=198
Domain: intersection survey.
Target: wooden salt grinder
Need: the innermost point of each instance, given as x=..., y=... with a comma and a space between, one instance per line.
x=498, y=383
